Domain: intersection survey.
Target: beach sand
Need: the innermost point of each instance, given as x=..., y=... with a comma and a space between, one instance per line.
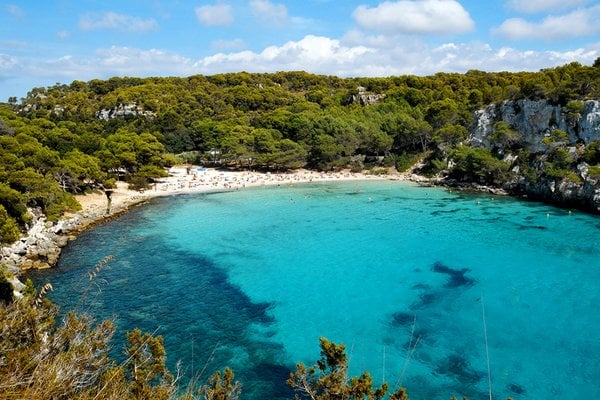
x=185, y=179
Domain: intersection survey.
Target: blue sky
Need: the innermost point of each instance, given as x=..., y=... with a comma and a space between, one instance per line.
x=45, y=42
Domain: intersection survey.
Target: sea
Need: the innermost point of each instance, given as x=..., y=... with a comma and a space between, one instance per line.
x=444, y=293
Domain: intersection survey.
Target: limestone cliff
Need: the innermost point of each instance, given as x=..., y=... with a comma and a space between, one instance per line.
x=535, y=120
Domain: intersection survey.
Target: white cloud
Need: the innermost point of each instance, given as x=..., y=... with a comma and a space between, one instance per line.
x=103, y=64
x=536, y=6
x=14, y=45
x=269, y=12
x=138, y=62
x=583, y=22
x=328, y=56
x=223, y=45
x=219, y=14
x=121, y=22
x=312, y=53
x=7, y=62
x=434, y=17
x=15, y=10
x=315, y=54
x=62, y=34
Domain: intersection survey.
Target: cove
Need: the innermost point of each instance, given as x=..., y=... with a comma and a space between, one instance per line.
x=398, y=273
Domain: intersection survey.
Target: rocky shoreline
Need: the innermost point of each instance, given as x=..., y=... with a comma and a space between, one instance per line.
x=41, y=246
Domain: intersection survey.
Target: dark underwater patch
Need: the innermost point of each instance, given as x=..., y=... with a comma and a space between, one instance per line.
x=201, y=314
x=420, y=286
x=267, y=378
x=459, y=368
x=532, y=227
x=456, y=277
x=516, y=389
x=402, y=318
x=451, y=211
x=425, y=300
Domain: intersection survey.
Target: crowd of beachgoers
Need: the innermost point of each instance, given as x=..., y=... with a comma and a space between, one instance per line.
x=193, y=179
x=203, y=179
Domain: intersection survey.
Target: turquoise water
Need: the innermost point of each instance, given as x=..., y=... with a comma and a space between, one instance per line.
x=252, y=279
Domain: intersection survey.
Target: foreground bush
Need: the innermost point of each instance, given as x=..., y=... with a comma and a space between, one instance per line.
x=40, y=360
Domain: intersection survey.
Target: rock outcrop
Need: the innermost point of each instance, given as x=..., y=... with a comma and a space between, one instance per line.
x=585, y=195
x=39, y=249
x=536, y=119
x=124, y=110
x=365, y=98
x=41, y=246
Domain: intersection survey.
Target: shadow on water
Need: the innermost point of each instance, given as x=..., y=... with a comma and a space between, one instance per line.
x=420, y=330
x=456, y=277
x=207, y=322
x=453, y=210
x=218, y=312
x=426, y=299
x=420, y=286
x=459, y=368
x=532, y=227
x=402, y=318
x=516, y=389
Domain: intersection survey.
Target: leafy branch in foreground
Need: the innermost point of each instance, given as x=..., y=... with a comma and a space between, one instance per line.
x=328, y=379
x=221, y=386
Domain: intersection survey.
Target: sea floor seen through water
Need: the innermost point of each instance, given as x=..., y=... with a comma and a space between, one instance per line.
x=405, y=276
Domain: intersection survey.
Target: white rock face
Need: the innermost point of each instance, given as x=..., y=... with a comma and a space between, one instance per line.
x=123, y=110
x=535, y=119
x=40, y=248
x=364, y=98
x=590, y=121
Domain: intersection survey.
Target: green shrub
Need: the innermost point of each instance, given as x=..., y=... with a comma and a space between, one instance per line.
x=405, y=161
x=560, y=157
x=560, y=174
x=591, y=154
x=9, y=231
x=574, y=107
x=62, y=202
x=503, y=136
x=138, y=182
x=477, y=164
x=556, y=136
x=594, y=171
x=14, y=204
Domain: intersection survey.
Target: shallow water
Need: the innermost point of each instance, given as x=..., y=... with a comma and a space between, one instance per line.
x=252, y=279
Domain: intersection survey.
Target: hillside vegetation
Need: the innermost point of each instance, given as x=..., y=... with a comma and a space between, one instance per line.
x=68, y=139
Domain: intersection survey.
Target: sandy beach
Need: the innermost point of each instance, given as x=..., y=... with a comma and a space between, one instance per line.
x=186, y=179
